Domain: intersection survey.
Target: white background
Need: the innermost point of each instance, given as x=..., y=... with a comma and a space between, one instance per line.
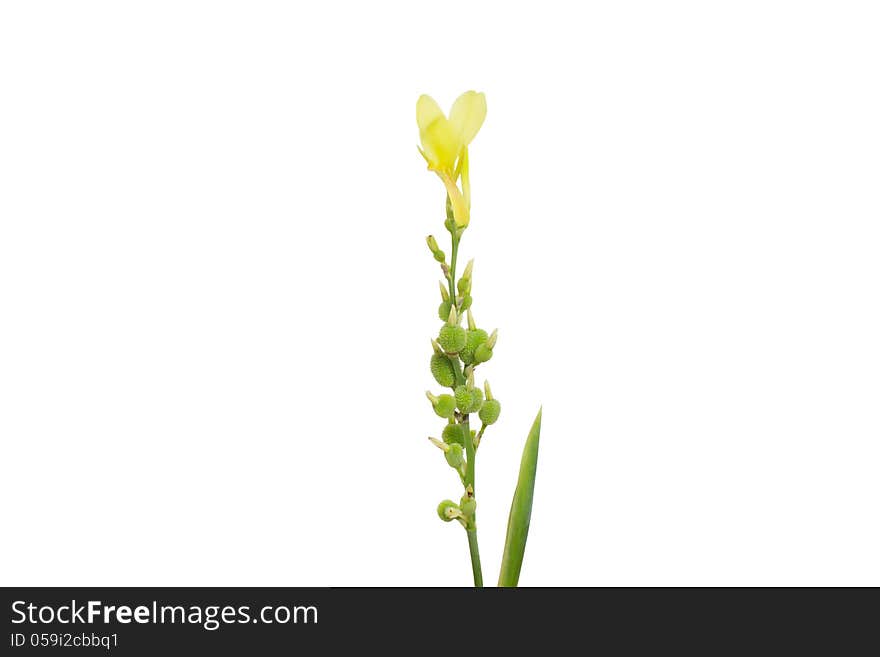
x=215, y=299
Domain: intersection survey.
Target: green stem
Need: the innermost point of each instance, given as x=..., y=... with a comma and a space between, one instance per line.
x=470, y=480
x=471, y=471
x=475, y=557
x=453, y=259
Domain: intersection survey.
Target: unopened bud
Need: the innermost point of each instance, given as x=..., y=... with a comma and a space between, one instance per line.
x=472, y=326
x=444, y=308
x=468, y=270
x=439, y=256
x=492, y=339
x=444, y=293
x=452, y=320
x=432, y=243
x=468, y=503
x=439, y=444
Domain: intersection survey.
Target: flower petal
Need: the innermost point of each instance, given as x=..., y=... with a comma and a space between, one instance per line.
x=467, y=115
x=427, y=111
x=440, y=141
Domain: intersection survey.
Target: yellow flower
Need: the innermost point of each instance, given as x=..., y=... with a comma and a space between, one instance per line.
x=445, y=141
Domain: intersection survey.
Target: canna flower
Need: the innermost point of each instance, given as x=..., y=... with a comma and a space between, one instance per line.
x=445, y=142
x=459, y=348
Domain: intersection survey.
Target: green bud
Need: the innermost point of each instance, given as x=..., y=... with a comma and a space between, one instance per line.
x=452, y=338
x=444, y=294
x=472, y=325
x=452, y=320
x=468, y=399
x=464, y=286
x=455, y=456
x=468, y=272
x=444, y=405
x=466, y=302
x=439, y=256
x=492, y=339
x=490, y=411
x=468, y=504
x=454, y=434
x=443, y=310
x=448, y=511
x=441, y=368
x=482, y=353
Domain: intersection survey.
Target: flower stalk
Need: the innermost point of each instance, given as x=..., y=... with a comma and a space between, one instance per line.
x=458, y=350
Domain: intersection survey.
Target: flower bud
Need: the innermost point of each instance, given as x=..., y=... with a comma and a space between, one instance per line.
x=468, y=399
x=468, y=504
x=464, y=286
x=489, y=411
x=444, y=405
x=468, y=272
x=454, y=434
x=444, y=294
x=448, y=511
x=441, y=369
x=465, y=302
x=444, y=308
x=452, y=320
x=439, y=256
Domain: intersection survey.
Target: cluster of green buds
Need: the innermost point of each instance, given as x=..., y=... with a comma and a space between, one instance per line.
x=457, y=350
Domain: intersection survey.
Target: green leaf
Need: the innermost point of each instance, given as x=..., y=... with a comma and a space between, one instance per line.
x=521, y=510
